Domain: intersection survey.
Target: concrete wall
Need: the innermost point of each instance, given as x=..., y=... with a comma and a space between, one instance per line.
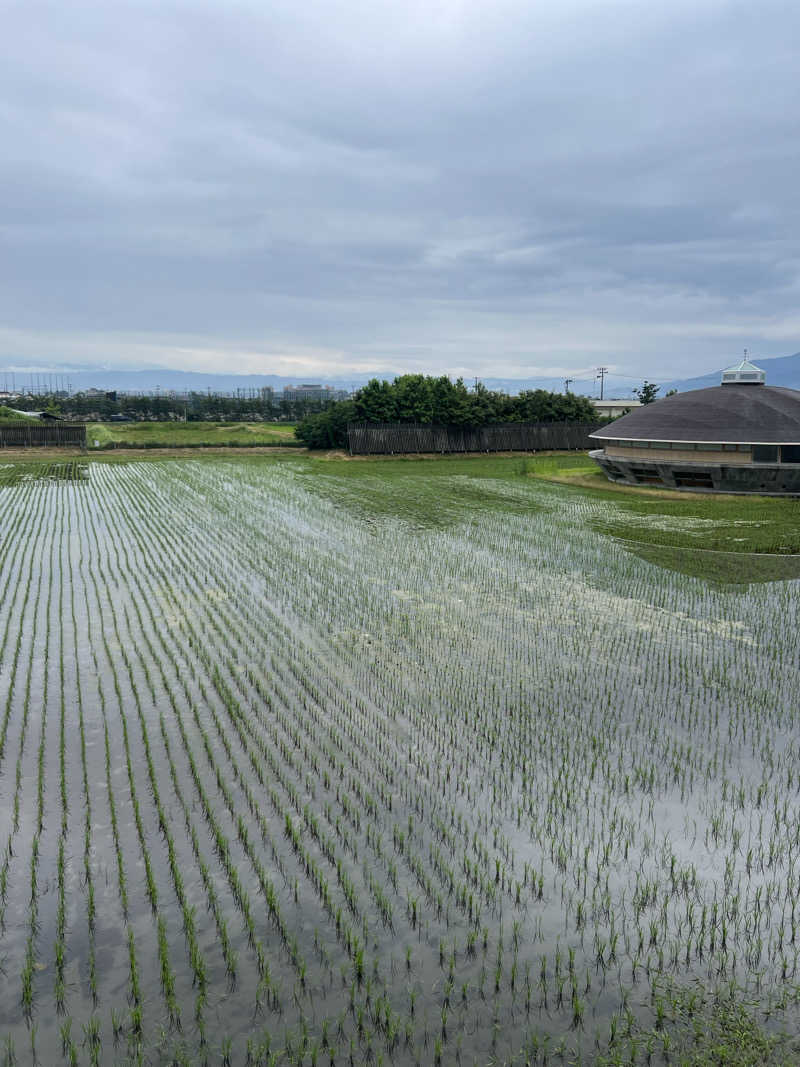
x=778, y=479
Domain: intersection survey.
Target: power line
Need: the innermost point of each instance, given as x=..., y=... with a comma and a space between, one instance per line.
x=601, y=374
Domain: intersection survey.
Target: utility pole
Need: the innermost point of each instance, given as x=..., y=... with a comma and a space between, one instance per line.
x=567, y=383
x=601, y=374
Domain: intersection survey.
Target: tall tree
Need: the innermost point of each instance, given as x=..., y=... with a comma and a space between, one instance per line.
x=647, y=394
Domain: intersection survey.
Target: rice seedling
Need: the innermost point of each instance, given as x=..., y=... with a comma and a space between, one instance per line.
x=274, y=743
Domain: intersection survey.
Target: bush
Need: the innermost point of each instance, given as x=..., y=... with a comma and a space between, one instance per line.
x=328, y=429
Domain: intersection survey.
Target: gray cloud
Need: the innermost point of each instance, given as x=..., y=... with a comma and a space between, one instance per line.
x=490, y=188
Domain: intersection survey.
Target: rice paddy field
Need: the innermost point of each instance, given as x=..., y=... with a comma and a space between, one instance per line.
x=325, y=762
x=128, y=435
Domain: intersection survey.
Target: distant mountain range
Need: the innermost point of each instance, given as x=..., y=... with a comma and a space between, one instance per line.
x=783, y=371
x=35, y=379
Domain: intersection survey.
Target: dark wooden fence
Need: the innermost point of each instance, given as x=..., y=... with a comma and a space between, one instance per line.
x=34, y=434
x=381, y=438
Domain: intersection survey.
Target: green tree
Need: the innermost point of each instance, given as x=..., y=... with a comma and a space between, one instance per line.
x=647, y=394
x=328, y=429
x=483, y=407
x=450, y=401
x=423, y=399
x=413, y=397
x=376, y=402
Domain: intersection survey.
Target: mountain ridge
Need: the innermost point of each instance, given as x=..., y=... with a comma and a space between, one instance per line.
x=783, y=371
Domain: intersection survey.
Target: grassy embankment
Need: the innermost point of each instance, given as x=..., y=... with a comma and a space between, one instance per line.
x=190, y=435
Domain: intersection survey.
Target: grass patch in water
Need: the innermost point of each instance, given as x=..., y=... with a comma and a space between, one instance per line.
x=693, y=1028
x=727, y=568
x=43, y=471
x=426, y=493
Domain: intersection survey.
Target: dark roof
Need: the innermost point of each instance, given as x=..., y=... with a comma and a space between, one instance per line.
x=741, y=414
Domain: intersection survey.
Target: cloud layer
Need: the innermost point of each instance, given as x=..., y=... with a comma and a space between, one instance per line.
x=493, y=188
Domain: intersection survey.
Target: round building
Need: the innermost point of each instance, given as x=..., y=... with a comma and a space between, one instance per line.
x=741, y=436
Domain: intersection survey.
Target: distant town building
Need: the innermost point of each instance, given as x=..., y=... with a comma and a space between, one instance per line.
x=741, y=436
x=313, y=394
x=612, y=409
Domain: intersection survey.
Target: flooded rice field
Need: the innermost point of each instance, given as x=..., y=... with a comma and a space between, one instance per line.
x=289, y=774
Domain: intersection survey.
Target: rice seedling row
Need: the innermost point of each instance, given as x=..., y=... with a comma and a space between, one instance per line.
x=291, y=777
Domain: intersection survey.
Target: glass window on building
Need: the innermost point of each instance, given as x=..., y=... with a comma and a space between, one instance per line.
x=765, y=453
x=790, y=453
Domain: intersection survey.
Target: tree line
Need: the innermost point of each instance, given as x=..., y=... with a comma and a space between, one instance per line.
x=424, y=399
x=194, y=407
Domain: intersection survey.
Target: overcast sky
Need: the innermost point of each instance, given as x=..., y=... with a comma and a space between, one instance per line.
x=487, y=188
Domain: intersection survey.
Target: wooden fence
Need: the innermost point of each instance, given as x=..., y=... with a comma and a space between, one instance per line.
x=34, y=434
x=371, y=438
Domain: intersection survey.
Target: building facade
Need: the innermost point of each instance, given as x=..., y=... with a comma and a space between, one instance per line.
x=741, y=436
x=612, y=409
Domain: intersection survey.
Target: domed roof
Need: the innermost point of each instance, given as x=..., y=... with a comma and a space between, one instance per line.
x=734, y=413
